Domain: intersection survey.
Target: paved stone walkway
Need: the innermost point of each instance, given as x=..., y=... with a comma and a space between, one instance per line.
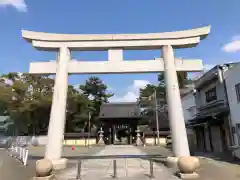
x=212, y=168
x=12, y=169
x=216, y=170
x=126, y=168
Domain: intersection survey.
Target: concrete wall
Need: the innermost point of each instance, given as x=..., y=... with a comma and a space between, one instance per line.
x=80, y=142
x=42, y=141
x=189, y=106
x=151, y=141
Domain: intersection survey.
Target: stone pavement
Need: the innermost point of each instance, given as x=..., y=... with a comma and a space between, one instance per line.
x=13, y=169
x=211, y=168
x=126, y=168
x=38, y=152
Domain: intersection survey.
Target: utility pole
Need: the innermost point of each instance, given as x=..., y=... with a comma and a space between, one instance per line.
x=89, y=127
x=155, y=104
x=156, y=111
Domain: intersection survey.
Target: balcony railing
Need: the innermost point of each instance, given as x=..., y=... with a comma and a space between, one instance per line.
x=211, y=107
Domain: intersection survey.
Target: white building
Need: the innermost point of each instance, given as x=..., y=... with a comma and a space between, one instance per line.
x=232, y=78
x=206, y=109
x=188, y=104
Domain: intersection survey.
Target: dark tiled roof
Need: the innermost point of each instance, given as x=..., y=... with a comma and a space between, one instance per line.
x=120, y=110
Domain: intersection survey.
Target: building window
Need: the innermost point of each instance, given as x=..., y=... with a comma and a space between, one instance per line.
x=211, y=95
x=237, y=88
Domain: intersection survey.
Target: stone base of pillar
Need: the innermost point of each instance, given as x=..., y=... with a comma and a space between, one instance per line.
x=193, y=175
x=60, y=164
x=51, y=177
x=172, y=162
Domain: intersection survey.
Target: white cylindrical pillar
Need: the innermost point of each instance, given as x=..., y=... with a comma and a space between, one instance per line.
x=58, y=111
x=175, y=112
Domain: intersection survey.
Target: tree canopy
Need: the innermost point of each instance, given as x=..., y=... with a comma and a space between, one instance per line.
x=27, y=100
x=146, y=97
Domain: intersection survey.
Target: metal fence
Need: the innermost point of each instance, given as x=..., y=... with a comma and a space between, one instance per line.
x=20, y=153
x=114, y=158
x=17, y=147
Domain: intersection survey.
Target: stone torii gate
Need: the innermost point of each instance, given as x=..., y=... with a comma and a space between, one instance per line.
x=63, y=44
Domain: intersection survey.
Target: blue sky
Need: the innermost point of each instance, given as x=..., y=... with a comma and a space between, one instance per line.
x=112, y=16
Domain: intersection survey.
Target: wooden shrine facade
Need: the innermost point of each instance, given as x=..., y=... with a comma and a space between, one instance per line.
x=119, y=122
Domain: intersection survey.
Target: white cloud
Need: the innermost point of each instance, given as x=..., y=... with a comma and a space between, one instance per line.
x=133, y=92
x=20, y=5
x=233, y=46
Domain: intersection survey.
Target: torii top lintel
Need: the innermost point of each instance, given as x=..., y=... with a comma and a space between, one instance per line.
x=178, y=39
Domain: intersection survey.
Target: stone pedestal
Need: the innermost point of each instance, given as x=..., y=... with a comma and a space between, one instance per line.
x=188, y=176
x=60, y=164
x=51, y=177
x=187, y=166
x=44, y=168
x=101, y=141
x=138, y=140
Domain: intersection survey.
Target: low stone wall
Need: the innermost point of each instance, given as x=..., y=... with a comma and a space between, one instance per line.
x=152, y=141
x=42, y=141
x=80, y=142
x=39, y=140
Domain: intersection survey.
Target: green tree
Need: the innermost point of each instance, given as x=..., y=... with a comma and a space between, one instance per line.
x=97, y=92
x=77, y=110
x=27, y=99
x=147, y=98
x=182, y=79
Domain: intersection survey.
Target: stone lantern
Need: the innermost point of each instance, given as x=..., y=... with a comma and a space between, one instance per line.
x=101, y=141
x=138, y=140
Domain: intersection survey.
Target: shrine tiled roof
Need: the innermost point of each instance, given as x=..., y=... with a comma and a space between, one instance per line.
x=120, y=110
